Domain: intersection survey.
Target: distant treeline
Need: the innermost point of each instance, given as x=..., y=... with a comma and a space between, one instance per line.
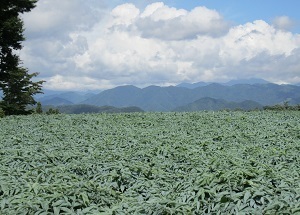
x=283, y=107
x=83, y=108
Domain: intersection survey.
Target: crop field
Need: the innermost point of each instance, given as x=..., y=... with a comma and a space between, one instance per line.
x=151, y=163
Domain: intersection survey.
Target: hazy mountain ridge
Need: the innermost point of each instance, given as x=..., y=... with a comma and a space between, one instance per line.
x=68, y=97
x=229, y=83
x=155, y=98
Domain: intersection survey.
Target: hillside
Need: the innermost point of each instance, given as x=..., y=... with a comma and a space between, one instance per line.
x=218, y=104
x=56, y=101
x=52, y=98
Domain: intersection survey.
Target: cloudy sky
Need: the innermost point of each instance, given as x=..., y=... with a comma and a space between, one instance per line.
x=100, y=44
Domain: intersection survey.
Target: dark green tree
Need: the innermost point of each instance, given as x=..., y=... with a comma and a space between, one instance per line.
x=15, y=81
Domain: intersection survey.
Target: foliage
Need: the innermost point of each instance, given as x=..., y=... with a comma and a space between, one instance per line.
x=18, y=92
x=39, y=109
x=52, y=111
x=208, y=103
x=83, y=108
x=15, y=81
x=2, y=114
x=283, y=107
x=151, y=163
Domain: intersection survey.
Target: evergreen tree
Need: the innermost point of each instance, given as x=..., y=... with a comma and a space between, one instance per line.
x=15, y=80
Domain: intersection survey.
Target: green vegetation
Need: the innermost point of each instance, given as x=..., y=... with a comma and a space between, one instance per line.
x=39, y=109
x=52, y=111
x=83, y=108
x=15, y=80
x=2, y=114
x=283, y=107
x=151, y=163
x=218, y=104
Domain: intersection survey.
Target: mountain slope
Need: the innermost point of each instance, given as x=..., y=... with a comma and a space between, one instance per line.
x=56, y=101
x=152, y=98
x=218, y=104
x=71, y=97
x=264, y=94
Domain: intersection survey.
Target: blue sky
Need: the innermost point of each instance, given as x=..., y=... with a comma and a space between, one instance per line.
x=91, y=44
x=242, y=11
x=246, y=10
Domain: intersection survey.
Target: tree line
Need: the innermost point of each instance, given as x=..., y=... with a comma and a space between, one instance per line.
x=283, y=107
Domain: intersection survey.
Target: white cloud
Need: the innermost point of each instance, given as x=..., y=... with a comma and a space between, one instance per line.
x=156, y=45
x=158, y=11
x=124, y=14
x=283, y=23
x=59, y=82
x=57, y=18
x=162, y=22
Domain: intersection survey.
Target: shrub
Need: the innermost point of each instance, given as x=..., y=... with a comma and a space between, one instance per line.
x=52, y=111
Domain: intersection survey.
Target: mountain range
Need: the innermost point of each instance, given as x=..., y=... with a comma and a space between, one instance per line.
x=237, y=94
x=229, y=83
x=154, y=98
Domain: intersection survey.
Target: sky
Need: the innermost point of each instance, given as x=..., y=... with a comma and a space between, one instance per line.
x=97, y=45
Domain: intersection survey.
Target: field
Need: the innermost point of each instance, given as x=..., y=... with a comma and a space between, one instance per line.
x=151, y=163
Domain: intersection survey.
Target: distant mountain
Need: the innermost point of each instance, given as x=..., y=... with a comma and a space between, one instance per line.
x=218, y=104
x=56, y=101
x=229, y=83
x=294, y=101
x=67, y=97
x=83, y=108
x=154, y=98
x=246, y=81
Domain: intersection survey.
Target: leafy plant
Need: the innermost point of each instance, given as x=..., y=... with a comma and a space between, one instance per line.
x=151, y=163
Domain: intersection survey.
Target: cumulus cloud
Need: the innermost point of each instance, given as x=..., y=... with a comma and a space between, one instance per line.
x=56, y=19
x=155, y=45
x=163, y=22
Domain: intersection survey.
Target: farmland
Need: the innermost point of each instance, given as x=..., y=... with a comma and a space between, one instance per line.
x=151, y=163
